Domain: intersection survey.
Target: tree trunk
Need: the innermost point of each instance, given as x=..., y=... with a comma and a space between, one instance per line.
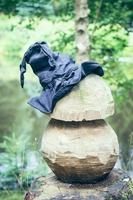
x=81, y=35
x=116, y=186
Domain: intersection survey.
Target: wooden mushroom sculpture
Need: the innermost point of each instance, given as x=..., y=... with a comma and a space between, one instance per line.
x=78, y=145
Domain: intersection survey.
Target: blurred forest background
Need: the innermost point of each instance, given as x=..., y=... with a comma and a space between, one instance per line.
x=111, y=44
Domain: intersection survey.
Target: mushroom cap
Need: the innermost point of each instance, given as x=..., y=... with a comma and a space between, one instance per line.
x=91, y=99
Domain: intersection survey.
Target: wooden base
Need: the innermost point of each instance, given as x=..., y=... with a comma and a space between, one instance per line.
x=116, y=186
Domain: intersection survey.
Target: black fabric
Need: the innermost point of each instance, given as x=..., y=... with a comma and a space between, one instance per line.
x=57, y=73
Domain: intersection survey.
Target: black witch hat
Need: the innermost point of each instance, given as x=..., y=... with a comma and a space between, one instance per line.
x=57, y=73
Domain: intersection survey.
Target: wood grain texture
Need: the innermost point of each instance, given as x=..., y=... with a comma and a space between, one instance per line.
x=117, y=186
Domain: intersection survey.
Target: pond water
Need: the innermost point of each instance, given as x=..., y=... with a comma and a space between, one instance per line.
x=16, y=115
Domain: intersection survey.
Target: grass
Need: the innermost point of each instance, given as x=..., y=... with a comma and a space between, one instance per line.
x=11, y=195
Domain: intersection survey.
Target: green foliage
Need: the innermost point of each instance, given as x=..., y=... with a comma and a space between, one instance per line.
x=129, y=194
x=108, y=40
x=15, y=172
x=14, y=158
x=11, y=195
x=35, y=8
x=102, y=11
x=26, y=8
x=63, y=37
x=8, y=6
x=111, y=12
x=10, y=46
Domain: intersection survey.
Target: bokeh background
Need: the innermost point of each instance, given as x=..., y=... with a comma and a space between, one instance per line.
x=25, y=22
